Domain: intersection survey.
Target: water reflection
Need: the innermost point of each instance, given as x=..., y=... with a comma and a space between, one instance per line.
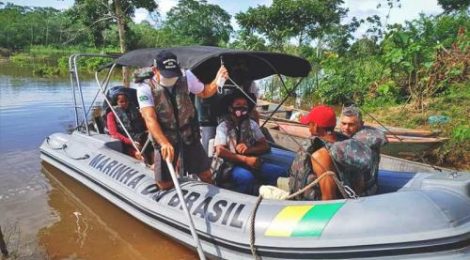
x=92, y=228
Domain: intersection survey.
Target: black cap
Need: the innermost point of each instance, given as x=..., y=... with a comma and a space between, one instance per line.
x=167, y=64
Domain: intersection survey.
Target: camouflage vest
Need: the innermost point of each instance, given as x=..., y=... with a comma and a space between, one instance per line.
x=131, y=120
x=175, y=112
x=301, y=168
x=241, y=133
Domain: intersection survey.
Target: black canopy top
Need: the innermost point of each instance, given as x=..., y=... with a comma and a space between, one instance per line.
x=204, y=61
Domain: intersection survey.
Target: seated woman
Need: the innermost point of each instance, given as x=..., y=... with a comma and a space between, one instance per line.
x=133, y=122
x=239, y=142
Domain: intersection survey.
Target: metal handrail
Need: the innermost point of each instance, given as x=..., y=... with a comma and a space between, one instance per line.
x=77, y=89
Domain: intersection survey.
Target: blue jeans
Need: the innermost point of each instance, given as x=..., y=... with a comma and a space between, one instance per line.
x=244, y=180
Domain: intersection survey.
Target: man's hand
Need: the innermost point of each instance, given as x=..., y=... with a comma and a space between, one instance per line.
x=167, y=151
x=211, y=88
x=139, y=156
x=241, y=148
x=222, y=76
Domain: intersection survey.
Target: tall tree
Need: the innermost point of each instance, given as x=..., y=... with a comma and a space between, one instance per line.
x=118, y=11
x=454, y=5
x=304, y=20
x=197, y=22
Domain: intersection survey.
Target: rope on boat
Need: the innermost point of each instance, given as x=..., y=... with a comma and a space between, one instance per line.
x=345, y=190
x=52, y=147
x=85, y=156
x=63, y=147
x=252, y=227
x=341, y=186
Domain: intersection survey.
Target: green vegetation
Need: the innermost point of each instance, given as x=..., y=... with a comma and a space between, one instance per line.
x=402, y=73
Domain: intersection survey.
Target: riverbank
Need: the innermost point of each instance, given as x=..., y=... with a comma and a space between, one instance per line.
x=453, y=107
x=53, y=62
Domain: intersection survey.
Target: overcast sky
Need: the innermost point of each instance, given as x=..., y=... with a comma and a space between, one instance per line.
x=359, y=8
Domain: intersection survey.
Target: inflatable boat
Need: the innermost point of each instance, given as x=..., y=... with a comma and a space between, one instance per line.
x=419, y=211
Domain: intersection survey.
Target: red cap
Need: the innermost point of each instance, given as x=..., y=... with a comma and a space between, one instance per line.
x=322, y=115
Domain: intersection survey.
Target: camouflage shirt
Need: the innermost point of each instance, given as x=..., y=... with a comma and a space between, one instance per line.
x=358, y=156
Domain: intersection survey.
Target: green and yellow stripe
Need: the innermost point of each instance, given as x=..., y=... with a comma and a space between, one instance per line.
x=302, y=220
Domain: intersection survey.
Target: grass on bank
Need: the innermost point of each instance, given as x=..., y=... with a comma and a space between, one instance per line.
x=454, y=103
x=48, y=61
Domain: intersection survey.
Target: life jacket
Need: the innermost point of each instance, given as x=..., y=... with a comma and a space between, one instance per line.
x=176, y=113
x=237, y=133
x=241, y=132
x=132, y=121
x=301, y=168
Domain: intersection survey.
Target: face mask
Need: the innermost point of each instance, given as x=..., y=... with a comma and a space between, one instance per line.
x=168, y=82
x=240, y=112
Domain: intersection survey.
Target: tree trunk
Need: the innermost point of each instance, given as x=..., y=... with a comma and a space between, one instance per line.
x=121, y=24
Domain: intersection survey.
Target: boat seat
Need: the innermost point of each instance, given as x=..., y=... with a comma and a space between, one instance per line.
x=98, y=122
x=277, y=156
x=105, y=109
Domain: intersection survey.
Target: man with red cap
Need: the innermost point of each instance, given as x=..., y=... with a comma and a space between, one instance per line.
x=314, y=160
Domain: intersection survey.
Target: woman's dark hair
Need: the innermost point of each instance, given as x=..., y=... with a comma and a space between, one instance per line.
x=228, y=99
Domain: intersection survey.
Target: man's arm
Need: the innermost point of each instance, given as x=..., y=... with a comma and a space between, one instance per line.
x=150, y=118
x=209, y=90
x=206, y=90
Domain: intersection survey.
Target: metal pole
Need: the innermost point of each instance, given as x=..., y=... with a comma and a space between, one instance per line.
x=72, y=83
x=185, y=208
x=282, y=102
x=81, y=97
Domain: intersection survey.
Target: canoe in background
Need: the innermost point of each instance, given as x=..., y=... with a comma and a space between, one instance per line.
x=284, y=114
x=398, y=144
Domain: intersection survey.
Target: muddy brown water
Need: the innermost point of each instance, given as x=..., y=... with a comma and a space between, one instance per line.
x=44, y=214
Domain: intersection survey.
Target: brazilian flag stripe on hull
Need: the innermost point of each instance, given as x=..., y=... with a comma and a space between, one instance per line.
x=302, y=220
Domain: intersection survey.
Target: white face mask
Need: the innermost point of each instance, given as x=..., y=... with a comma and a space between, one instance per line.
x=168, y=82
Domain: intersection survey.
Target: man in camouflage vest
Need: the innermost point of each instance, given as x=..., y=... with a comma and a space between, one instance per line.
x=170, y=117
x=365, y=155
x=314, y=159
x=239, y=142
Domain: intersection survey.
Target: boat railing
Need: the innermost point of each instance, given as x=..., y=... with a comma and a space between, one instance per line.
x=77, y=90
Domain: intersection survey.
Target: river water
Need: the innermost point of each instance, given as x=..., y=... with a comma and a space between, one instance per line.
x=45, y=214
